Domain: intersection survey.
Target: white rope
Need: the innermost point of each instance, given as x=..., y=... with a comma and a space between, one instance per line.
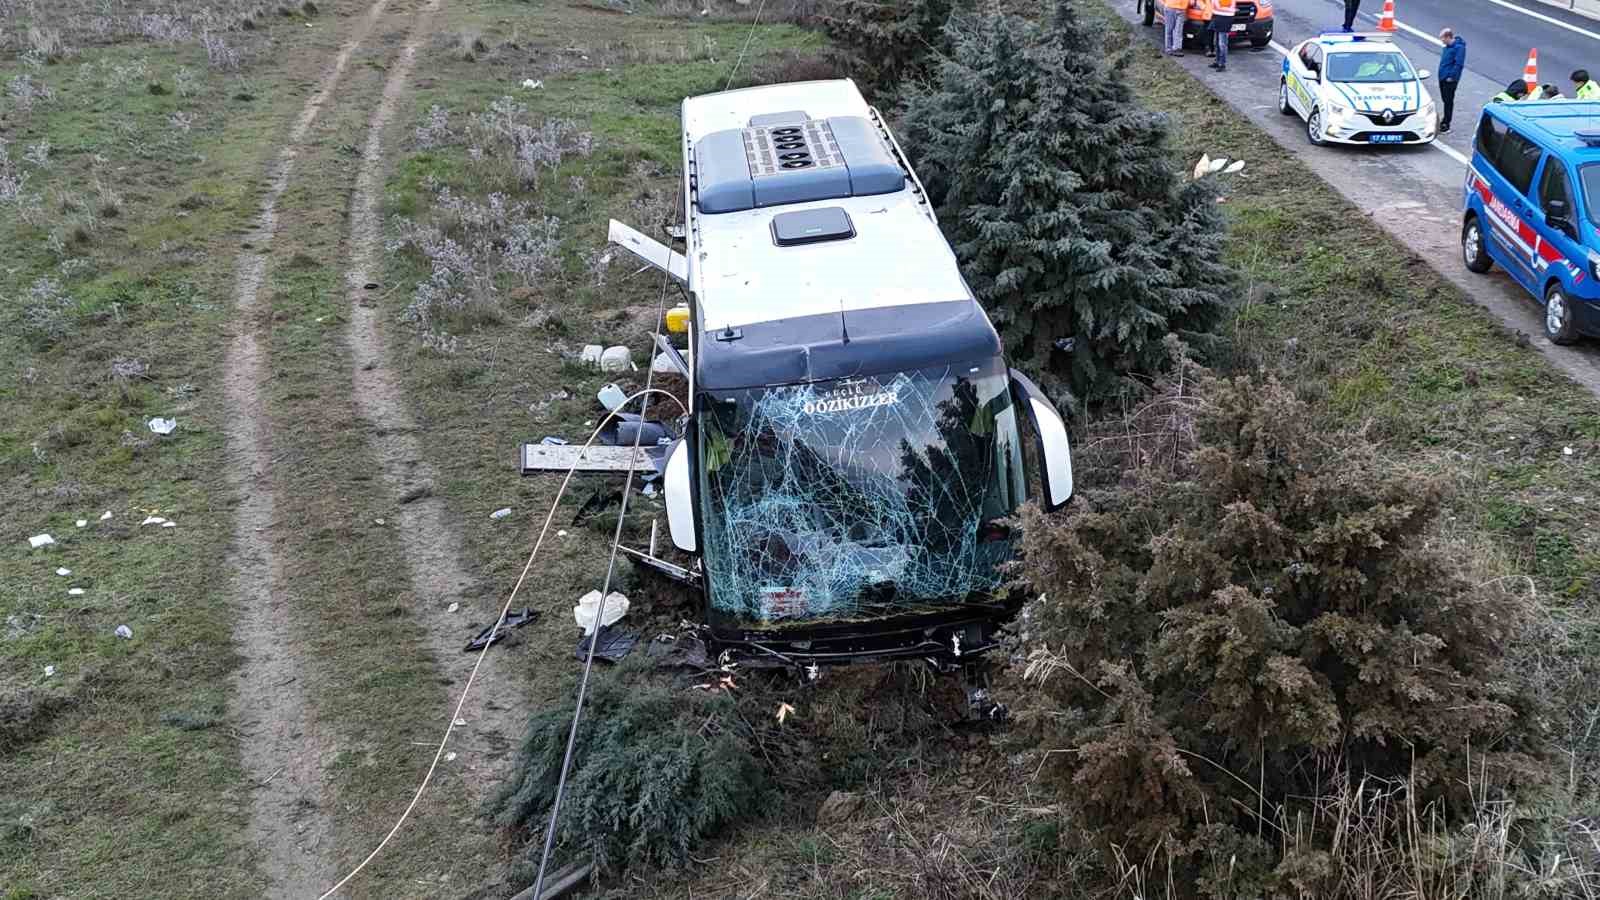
x=528, y=566
x=753, y=23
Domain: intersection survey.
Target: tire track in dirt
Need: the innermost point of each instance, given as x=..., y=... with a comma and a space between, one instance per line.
x=281, y=747
x=432, y=545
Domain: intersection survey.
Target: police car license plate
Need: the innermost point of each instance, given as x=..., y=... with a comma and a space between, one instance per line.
x=1386, y=138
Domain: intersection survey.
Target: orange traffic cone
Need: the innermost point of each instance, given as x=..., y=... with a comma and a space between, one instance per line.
x=1530, y=72
x=1386, y=21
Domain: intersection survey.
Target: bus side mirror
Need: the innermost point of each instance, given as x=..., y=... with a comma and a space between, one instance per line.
x=680, y=500
x=1051, y=433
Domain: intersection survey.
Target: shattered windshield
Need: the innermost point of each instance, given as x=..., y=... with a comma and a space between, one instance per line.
x=859, y=497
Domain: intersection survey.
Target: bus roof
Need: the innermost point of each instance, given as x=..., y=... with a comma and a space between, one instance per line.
x=740, y=274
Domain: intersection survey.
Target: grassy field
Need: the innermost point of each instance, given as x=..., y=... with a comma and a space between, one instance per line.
x=133, y=164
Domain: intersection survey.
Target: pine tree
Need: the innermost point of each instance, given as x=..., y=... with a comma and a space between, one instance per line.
x=1065, y=204
x=892, y=41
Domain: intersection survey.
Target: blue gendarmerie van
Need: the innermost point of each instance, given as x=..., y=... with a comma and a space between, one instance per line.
x=1532, y=205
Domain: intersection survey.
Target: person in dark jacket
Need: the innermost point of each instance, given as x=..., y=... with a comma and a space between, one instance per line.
x=1351, y=7
x=1452, y=62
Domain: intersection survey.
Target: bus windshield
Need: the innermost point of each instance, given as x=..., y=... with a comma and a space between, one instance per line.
x=858, y=498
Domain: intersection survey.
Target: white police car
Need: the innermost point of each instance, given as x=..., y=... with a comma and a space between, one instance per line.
x=1356, y=89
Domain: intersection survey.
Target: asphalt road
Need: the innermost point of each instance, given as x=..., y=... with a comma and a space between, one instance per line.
x=1415, y=193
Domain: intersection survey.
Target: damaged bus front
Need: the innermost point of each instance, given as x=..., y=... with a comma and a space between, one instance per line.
x=856, y=441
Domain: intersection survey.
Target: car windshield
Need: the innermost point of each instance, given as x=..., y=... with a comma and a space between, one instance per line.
x=1590, y=176
x=860, y=497
x=1363, y=68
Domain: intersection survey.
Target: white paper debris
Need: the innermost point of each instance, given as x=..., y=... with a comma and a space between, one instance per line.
x=105, y=515
x=153, y=520
x=453, y=607
x=1566, y=451
x=591, y=354
x=75, y=592
x=82, y=523
x=40, y=540
x=163, y=426
x=169, y=524
x=450, y=757
x=1236, y=168
x=377, y=521
x=1218, y=163
x=1203, y=166
x=49, y=671
x=589, y=605
x=532, y=85
x=500, y=513
x=63, y=572
x=561, y=533
x=124, y=631
x=461, y=723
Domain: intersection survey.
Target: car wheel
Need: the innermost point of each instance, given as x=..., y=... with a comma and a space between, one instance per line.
x=1283, y=97
x=1259, y=42
x=1473, y=252
x=1560, y=320
x=1314, y=126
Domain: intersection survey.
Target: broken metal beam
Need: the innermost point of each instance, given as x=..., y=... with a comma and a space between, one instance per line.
x=536, y=458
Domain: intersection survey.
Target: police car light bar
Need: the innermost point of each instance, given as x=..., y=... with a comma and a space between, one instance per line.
x=1354, y=36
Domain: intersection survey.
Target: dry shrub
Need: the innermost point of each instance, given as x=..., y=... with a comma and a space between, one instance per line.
x=891, y=41
x=1242, y=610
x=789, y=66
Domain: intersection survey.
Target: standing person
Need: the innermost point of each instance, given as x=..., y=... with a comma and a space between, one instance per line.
x=1452, y=62
x=1175, y=11
x=1222, y=13
x=1351, y=7
x=1584, y=89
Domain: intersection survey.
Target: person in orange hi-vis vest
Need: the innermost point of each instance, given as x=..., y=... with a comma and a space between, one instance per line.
x=1175, y=13
x=1222, y=13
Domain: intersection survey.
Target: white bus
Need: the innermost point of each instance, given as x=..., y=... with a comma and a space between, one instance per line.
x=856, y=440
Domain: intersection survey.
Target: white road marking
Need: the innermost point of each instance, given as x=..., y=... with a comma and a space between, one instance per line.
x=1437, y=144
x=1544, y=18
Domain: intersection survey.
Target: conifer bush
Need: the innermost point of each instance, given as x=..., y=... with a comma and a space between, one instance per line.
x=891, y=42
x=1065, y=204
x=1242, y=610
x=656, y=770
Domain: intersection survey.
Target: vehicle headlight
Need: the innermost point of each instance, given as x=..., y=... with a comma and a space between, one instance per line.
x=1594, y=265
x=1427, y=109
x=1337, y=110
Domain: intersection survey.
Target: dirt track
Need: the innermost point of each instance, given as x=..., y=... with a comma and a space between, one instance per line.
x=287, y=750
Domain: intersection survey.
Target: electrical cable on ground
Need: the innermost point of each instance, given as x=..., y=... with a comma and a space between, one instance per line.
x=504, y=610
x=605, y=590
x=753, y=23
x=616, y=539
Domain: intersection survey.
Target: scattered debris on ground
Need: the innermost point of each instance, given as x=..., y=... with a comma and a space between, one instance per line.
x=514, y=619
